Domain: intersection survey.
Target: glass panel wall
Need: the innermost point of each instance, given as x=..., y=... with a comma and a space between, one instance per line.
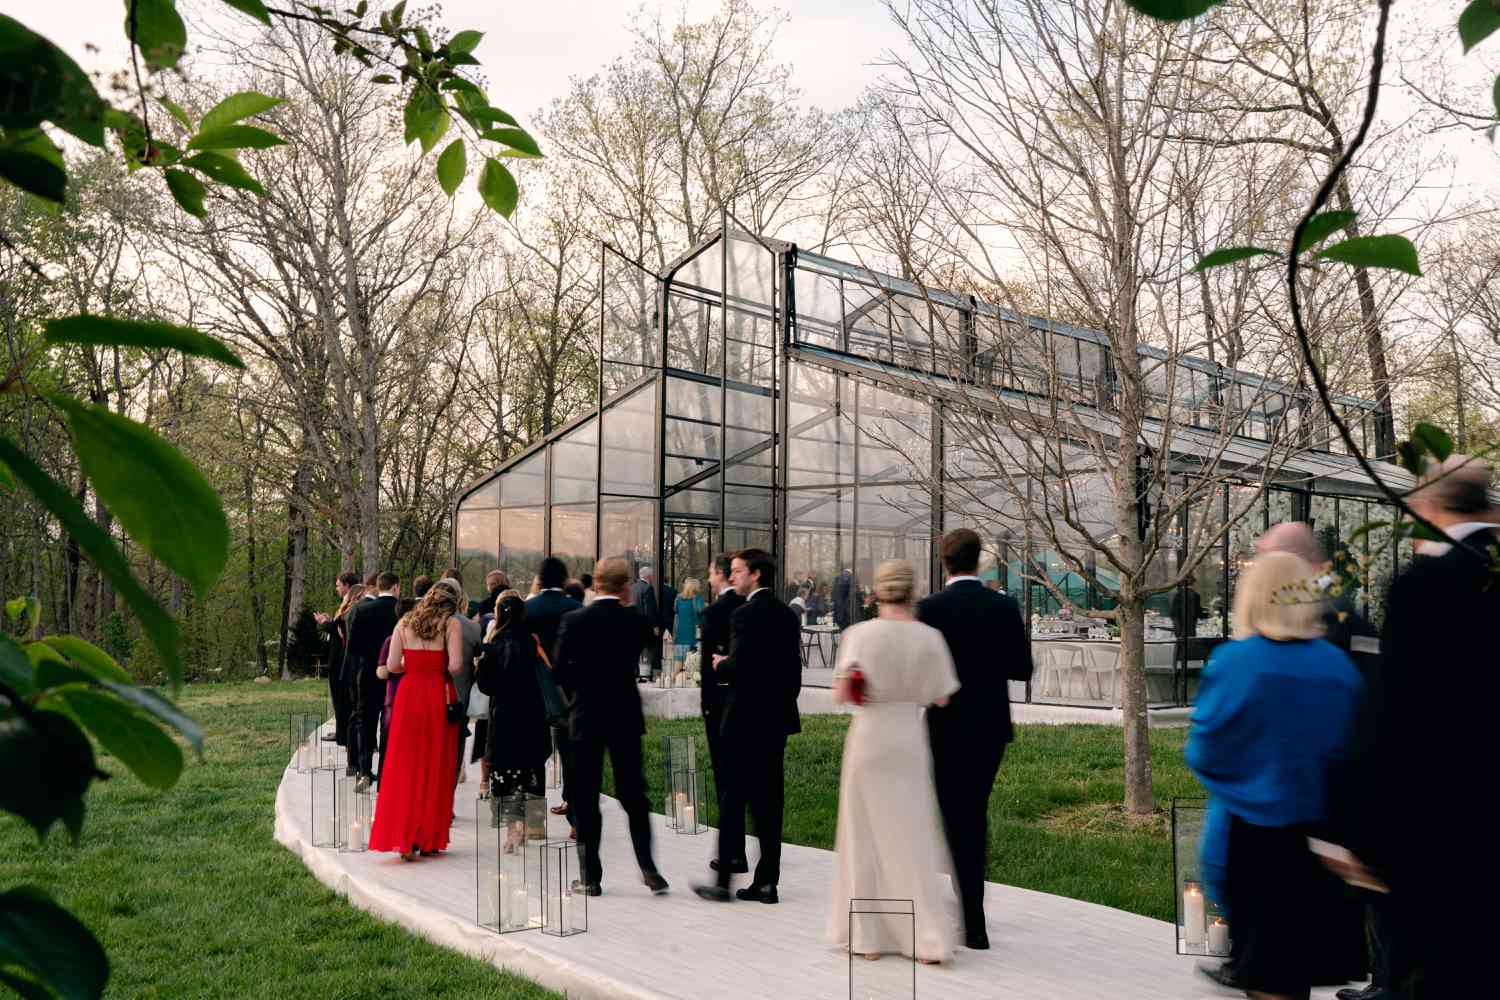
x=573, y=537
x=630, y=445
x=574, y=471
x=523, y=544
x=477, y=539
x=629, y=532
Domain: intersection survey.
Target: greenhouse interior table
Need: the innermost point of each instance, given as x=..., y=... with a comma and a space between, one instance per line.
x=1078, y=669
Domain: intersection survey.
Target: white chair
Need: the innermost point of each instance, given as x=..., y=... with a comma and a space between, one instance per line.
x=1059, y=659
x=1101, y=660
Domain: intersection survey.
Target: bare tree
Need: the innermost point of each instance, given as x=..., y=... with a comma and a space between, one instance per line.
x=1060, y=122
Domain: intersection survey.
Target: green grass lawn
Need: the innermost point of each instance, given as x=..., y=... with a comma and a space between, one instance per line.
x=1055, y=819
x=193, y=898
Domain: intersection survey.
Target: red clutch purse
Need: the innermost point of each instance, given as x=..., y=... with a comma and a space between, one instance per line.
x=856, y=687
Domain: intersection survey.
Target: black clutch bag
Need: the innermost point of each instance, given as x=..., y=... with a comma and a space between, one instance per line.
x=456, y=712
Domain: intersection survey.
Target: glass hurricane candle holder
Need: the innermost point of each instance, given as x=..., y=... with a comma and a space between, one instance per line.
x=1190, y=889
x=554, y=767
x=565, y=906
x=687, y=806
x=509, y=834
x=323, y=806
x=356, y=810
x=679, y=753
x=303, y=742
x=888, y=928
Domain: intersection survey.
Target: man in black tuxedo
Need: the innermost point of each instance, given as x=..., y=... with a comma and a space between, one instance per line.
x=595, y=657
x=848, y=599
x=714, y=640
x=763, y=671
x=1438, y=638
x=990, y=647
x=643, y=597
x=370, y=623
x=544, y=613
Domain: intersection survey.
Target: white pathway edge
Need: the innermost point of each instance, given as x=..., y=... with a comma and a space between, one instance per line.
x=675, y=947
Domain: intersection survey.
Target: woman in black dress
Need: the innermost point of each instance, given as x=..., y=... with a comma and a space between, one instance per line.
x=519, y=740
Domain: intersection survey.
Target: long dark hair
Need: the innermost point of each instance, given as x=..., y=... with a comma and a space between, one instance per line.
x=510, y=616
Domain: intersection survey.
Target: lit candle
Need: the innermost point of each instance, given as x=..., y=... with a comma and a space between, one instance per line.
x=1218, y=937
x=1193, y=914
x=679, y=814
x=687, y=817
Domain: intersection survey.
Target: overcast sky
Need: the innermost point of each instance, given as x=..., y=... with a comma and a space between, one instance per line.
x=532, y=48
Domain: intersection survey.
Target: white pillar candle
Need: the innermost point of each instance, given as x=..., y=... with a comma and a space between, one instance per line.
x=1218, y=937
x=1193, y=915
x=687, y=818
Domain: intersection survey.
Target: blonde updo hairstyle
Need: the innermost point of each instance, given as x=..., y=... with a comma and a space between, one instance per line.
x=895, y=582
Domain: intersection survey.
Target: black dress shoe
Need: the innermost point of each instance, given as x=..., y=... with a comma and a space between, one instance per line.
x=1367, y=992
x=758, y=894
x=738, y=867
x=655, y=883
x=584, y=888
x=329, y=737
x=1224, y=974
x=977, y=941
x=713, y=893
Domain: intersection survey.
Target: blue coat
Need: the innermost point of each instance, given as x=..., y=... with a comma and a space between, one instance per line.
x=1270, y=721
x=686, y=631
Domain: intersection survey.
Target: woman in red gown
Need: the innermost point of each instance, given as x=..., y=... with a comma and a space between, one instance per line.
x=414, y=807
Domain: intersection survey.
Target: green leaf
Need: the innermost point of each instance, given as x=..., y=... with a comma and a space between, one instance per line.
x=1365, y=529
x=1322, y=226
x=148, y=700
x=225, y=170
x=87, y=657
x=235, y=137
x=464, y=41
x=39, y=82
x=1230, y=255
x=1480, y=20
x=494, y=116
x=498, y=188
x=517, y=139
x=236, y=106
x=1394, y=252
x=1434, y=439
x=138, y=742
x=159, y=32
x=52, y=671
x=188, y=191
x=16, y=670
x=425, y=117
x=1173, y=10
x=48, y=763
x=34, y=174
x=51, y=945
x=254, y=8
x=86, y=329
x=176, y=111
x=159, y=497
x=450, y=167
x=1421, y=533
x=1410, y=457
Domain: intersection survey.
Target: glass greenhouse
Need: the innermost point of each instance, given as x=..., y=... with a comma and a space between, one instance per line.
x=758, y=394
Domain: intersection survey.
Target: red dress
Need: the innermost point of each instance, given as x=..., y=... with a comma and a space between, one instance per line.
x=414, y=806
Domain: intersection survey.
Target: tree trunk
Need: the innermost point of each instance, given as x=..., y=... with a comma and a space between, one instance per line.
x=1139, y=798
x=1369, y=322
x=252, y=574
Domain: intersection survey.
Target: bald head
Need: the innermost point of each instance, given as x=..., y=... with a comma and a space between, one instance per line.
x=1294, y=537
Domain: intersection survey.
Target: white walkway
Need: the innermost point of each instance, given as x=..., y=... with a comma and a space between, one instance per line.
x=679, y=947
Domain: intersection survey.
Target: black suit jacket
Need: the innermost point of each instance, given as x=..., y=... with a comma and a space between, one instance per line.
x=544, y=614
x=1424, y=737
x=643, y=599
x=989, y=646
x=714, y=638
x=370, y=624
x=763, y=671
x=668, y=608
x=597, y=650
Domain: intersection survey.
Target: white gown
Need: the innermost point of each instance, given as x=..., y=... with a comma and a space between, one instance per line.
x=890, y=844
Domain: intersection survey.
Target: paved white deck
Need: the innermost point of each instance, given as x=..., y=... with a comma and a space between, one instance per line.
x=652, y=948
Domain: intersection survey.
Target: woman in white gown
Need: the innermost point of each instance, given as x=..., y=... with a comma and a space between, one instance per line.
x=889, y=834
